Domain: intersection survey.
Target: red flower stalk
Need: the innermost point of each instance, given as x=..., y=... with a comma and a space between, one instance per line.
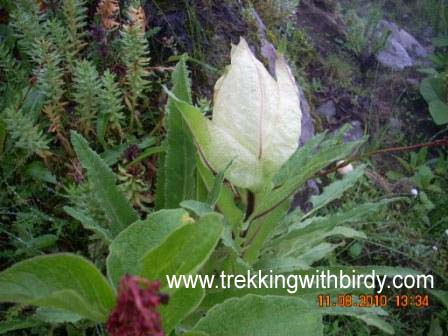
x=135, y=313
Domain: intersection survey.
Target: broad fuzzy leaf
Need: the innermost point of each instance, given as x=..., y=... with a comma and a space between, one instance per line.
x=117, y=208
x=63, y=281
x=256, y=120
x=276, y=315
x=261, y=316
x=142, y=236
x=185, y=250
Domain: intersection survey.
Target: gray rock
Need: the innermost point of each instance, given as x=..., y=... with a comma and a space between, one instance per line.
x=409, y=43
x=395, y=124
x=394, y=56
x=327, y=110
x=355, y=133
x=402, y=49
x=307, y=131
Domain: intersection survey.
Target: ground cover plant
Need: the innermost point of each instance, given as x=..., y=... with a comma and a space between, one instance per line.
x=116, y=172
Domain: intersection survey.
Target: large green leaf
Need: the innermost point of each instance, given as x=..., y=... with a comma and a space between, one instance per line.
x=439, y=112
x=140, y=237
x=277, y=315
x=185, y=250
x=63, y=281
x=255, y=315
x=116, y=207
x=306, y=162
x=179, y=164
x=182, y=303
x=432, y=88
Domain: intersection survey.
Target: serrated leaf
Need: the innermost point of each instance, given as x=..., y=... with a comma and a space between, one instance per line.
x=179, y=164
x=115, y=205
x=89, y=224
x=297, y=262
x=140, y=237
x=63, y=281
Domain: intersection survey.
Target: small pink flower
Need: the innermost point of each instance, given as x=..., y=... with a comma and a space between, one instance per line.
x=136, y=311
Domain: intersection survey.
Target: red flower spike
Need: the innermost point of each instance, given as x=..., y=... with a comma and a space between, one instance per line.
x=135, y=313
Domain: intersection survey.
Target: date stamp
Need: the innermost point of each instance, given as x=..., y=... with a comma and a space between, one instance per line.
x=373, y=300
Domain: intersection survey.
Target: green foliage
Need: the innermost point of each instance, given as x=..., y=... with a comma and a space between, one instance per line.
x=23, y=131
x=111, y=108
x=116, y=207
x=61, y=281
x=364, y=38
x=26, y=22
x=434, y=90
x=198, y=240
x=129, y=247
x=244, y=316
x=60, y=71
x=48, y=71
x=74, y=14
x=254, y=314
x=87, y=91
x=179, y=161
x=135, y=56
